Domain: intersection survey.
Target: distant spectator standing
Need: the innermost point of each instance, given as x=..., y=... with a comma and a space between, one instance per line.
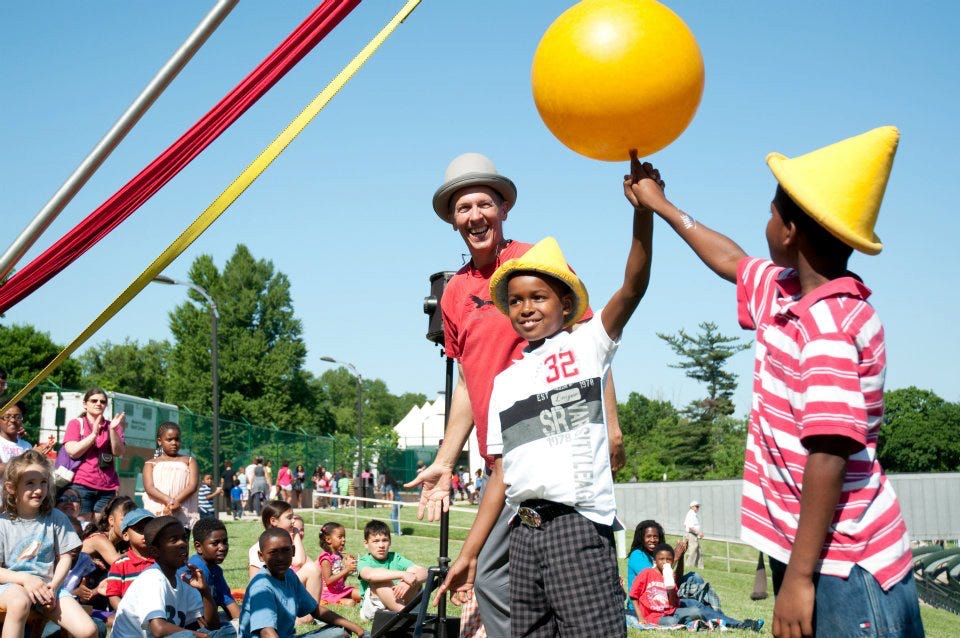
x=206, y=495
x=299, y=479
x=227, y=475
x=259, y=487
x=391, y=492
x=285, y=483
x=694, y=532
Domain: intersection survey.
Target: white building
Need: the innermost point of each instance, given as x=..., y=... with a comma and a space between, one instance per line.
x=423, y=427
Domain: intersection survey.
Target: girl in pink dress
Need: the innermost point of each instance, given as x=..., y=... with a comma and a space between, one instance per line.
x=335, y=566
x=170, y=480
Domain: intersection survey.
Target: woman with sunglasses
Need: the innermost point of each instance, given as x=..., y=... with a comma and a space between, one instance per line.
x=95, y=442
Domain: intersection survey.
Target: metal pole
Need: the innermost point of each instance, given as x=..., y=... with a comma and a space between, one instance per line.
x=215, y=364
x=363, y=481
x=114, y=136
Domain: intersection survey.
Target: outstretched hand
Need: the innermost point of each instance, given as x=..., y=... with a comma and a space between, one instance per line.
x=435, y=495
x=643, y=187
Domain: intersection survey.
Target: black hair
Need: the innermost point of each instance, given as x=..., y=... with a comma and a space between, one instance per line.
x=638, y=533
x=819, y=237
x=663, y=547
x=558, y=285
x=3, y=374
x=122, y=503
x=273, y=509
x=203, y=528
x=375, y=527
x=326, y=530
x=163, y=427
x=273, y=532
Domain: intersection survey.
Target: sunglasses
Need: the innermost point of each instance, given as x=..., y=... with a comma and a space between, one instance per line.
x=100, y=401
x=68, y=499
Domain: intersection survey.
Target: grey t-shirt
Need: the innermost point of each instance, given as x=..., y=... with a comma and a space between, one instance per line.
x=33, y=545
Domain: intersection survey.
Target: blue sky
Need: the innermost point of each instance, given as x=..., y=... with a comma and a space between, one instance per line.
x=346, y=212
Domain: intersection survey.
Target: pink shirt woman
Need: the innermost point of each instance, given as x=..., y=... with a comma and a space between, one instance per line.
x=95, y=442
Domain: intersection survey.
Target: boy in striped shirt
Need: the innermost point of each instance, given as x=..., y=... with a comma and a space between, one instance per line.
x=815, y=499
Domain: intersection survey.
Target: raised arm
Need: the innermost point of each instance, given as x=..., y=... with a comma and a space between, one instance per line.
x=720, y=253
x=637, y=273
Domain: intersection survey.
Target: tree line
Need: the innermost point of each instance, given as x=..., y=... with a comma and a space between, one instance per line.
x=263, y=380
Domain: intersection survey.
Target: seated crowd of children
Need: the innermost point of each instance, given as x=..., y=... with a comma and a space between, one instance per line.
x=132, y=573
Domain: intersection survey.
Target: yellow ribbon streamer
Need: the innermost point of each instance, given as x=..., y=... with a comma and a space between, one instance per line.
x=223, y=202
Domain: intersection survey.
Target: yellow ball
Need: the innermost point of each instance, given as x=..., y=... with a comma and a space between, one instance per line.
x=614, y=75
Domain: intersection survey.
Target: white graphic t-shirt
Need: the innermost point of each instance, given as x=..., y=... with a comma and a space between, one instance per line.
x=547, y=420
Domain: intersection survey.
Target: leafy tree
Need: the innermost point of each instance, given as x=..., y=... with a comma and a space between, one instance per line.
x=729, y=439
x=128, y=367
x=261, y=348
x=381, y=410
x=920, y=432
x=647, y=426
x=703, y=357
x=25, y=351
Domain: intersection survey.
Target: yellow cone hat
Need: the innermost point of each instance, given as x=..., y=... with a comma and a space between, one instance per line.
x=841, y=185
x=544, y=257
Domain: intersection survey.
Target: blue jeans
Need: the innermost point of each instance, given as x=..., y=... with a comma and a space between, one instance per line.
x=858, y=607
x=395, y=517
x=92, y=500
x=691, y=609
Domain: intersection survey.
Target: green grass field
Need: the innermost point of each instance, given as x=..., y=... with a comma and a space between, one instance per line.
x=419, y=544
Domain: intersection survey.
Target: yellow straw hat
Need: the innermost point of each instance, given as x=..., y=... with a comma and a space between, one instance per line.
x=543, y=257
x=841, y=185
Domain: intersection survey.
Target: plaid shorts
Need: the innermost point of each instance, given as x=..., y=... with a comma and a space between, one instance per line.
x=564, y=580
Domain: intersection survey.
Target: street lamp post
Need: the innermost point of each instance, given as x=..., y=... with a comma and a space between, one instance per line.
x=350, y=366
x=214, y=364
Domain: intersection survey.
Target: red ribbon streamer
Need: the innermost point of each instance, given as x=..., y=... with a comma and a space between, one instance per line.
x=161, y=170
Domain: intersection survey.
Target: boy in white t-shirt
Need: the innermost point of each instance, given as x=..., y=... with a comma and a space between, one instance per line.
x=547, y=432
x=158, y=602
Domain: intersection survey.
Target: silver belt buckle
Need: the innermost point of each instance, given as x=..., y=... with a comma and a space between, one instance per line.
x=529, y=517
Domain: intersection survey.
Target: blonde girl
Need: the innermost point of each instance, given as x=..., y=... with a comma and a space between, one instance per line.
x=35, y=544
x=170, y=479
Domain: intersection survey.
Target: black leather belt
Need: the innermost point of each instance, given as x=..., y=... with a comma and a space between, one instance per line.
x=536, y=512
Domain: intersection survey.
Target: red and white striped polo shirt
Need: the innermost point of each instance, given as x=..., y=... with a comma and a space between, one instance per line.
x=819, y=371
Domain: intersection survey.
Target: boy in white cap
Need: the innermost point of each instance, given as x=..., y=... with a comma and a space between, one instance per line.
x=550, y=447
x=815, y=499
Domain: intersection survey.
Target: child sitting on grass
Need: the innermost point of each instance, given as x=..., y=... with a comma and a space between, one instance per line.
x=161, y=603
x=211, y=544
x=387, y=579
x=132, y=562
x=654, y=596
x=275, y=598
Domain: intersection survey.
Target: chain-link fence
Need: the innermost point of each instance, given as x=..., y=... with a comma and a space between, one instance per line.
x=240, y=441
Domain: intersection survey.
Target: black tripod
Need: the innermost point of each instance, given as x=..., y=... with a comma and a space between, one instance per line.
x=407, y=622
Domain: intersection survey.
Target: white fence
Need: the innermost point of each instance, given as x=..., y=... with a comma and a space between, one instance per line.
x=930, y=504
